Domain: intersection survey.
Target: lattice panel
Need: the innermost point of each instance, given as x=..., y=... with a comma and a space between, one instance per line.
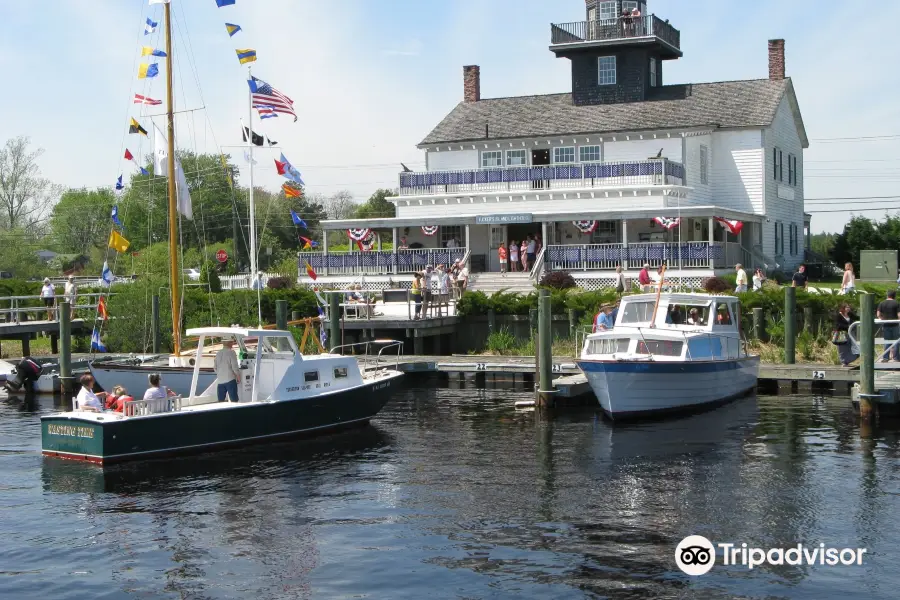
x=371, y=286
x=597, y=284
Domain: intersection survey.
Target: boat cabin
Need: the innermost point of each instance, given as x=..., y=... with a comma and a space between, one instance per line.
x=677, y=327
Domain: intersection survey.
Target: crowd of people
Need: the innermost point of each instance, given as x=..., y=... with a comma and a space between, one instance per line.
x=48, y=297
x=516, y=254
x=434, y=288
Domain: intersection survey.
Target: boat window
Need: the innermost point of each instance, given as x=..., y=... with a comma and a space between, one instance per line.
x=311, y=376
x=723, y=315
x=693, y=314
x=660, y=347
x=608, y=346
x=636, y=312
x=340, y=372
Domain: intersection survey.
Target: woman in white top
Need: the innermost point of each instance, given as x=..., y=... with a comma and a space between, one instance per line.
x=156, y=391
x=48, y=295
x=71, y=293
x=848, y=284
x=86, y=398
x=514, y=256
x=758, y=279
x=619, y=281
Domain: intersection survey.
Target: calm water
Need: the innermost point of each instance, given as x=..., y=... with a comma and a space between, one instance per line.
x=454, y=494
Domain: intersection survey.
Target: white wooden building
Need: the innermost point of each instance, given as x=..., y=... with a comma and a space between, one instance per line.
x=617, y=152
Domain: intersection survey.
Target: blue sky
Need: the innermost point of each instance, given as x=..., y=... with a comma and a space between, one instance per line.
x=370, y=79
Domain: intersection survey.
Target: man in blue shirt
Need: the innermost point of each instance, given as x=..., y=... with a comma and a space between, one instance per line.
x=605, y=320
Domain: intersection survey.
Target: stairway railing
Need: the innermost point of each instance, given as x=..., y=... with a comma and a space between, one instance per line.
x=538, y=268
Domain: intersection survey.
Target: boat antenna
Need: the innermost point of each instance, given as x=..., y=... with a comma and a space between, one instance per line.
x=254, y=275
x=174, y=275
x=662, y=278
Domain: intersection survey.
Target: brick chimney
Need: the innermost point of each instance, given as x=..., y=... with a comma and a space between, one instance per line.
x=776, y=59
x=471, y=83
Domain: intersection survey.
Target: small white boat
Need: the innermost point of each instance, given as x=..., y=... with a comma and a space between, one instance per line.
x=667, y=353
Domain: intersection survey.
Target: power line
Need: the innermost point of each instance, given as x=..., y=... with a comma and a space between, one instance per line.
x=852, y=198
x=854, y=210
x=869, y=138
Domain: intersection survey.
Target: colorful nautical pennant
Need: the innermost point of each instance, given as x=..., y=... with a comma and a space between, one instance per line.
x=138, y=99
x=430, y=230
x=263, y=93
x=246, y=55
x=147, y=71
x=102, y=313
x=733, y=226
x=221, y=3
x=232, y=29
x=249, y=159
x=135, y=127
x=151, y=51
x=288, y=170
x=307, y=243
x=150, y=27
x=115, y=217
x=118, y=242
x=227, y=170
x=297, y=220
x=291, y=192
x=106, y=276
x=128, y=154
x=585, y=227
x=96, y=343
x=257, y=139
x=119, y=185
x=266, y=111
x=310, y=271
x=667, y=222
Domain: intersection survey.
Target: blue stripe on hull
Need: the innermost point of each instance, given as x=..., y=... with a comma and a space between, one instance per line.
x=711, y=366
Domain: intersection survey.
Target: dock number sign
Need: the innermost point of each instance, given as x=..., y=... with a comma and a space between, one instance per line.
x=818, y=375
x=222, y=256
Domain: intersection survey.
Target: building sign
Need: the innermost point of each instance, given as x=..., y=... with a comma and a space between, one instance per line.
x=503, y=219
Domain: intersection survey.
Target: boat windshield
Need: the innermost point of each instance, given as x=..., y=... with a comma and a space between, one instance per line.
x=687, y=314
x=636, y=312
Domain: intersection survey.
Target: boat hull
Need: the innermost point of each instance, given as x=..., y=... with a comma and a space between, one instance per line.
x=117, y=440
x=134, y=377
x=629, y=390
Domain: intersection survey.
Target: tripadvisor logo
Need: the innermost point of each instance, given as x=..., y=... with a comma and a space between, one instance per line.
x=695, y=555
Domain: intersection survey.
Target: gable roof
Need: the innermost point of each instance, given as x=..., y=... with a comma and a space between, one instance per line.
x=751, y=103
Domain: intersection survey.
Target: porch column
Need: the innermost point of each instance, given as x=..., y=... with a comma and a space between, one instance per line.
x=325, y=250
x=394, y=244
x=468, y=242
x=712, y=238
x=625, y=244
x=544, y=233
x=378, y=239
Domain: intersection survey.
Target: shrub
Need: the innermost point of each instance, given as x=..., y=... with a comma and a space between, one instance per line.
x=558, y=280
x=210, y=276
x=716, y=285
x=473, y=304
x=280, y=283
x=501, y=342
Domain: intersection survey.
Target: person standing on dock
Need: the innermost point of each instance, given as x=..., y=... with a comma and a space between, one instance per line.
x=71, y=293
x=48, y=296
x=416, y=293
x=644, y=278
x=741, y=279
x=839, y=337
x=887, y=311
x=227, y=372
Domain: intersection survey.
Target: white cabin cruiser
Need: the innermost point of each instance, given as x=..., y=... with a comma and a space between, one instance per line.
x=669, y=352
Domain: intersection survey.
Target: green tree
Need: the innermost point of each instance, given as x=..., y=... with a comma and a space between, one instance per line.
x=18, y=255
x=377, y=206
x=25, y=196
x=81, y=220
x=859, y=234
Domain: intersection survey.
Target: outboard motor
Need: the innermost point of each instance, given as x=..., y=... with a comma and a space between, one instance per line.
x=27, y=373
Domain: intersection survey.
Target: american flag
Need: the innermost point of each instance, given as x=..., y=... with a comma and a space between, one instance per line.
x=263, y=93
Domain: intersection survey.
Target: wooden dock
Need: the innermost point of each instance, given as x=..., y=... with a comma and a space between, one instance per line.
x=571, y=383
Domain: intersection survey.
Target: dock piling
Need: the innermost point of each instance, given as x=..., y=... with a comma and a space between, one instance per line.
x=866, y=356
x=545, y=351
x=759, y=324
x=334, y=320
x=154, y=324
x=790, y=325
x=66, y=383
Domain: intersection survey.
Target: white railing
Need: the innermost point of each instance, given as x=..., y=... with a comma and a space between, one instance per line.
x=154, y=406
x=887, y=343
x=376, y=262
x=14, y=308
x=537, y=269
x=659, y=171
x=245, y=282
x=604, y=257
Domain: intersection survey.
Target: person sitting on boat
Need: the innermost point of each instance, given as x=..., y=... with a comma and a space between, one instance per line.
x=117, y=399
x=86, y=398
x=695, y=318
x=675, y=315
x=723, y=317
x=228, y=372
x=604, y=321
x=157, y=391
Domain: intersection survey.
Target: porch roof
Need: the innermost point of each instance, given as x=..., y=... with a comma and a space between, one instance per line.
x=550, y=216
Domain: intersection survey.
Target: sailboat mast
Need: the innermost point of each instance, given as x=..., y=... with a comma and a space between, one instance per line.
x=254, y=275
x=174, y=275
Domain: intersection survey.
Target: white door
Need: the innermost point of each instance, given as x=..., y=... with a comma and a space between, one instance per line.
x=498, y=238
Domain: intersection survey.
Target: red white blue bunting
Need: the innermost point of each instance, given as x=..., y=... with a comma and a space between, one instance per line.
x=733, y=226
x=358, y=235
x=430, y=230
x=586, y=227
x=667, y=222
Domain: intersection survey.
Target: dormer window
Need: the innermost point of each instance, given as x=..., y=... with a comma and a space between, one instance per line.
x=606, y=70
